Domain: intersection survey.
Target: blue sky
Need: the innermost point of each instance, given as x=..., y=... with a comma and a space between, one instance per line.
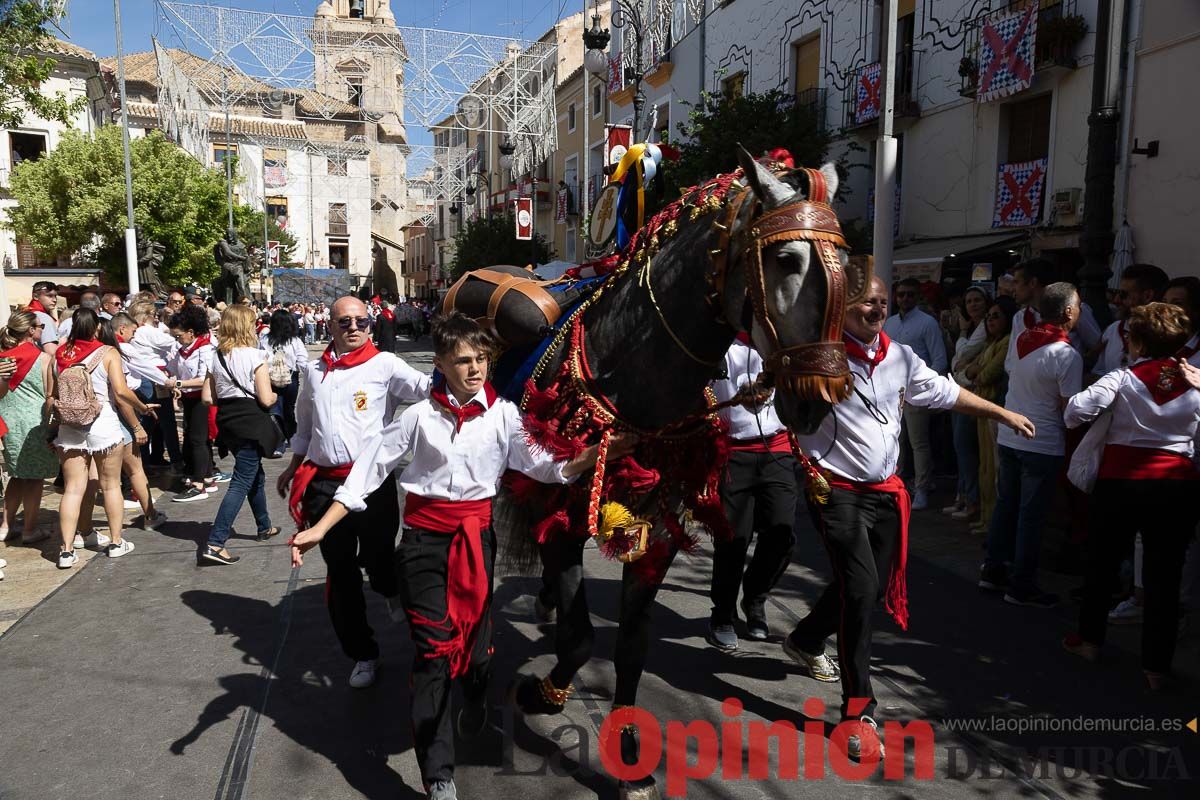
x=90, y=23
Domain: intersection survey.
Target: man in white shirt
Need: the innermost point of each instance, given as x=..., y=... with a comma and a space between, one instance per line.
x=923, y=335
x=1030, y=280
x=1140, y=284
x=349, y=393
x=43, y=303
x=864, y=522
x=758, y=492
x=1046, y=373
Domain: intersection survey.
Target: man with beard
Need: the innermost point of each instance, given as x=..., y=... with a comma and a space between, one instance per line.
x=864, y=523
x=1140, y=284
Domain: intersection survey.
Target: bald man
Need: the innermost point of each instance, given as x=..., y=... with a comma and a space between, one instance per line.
x=350, y=391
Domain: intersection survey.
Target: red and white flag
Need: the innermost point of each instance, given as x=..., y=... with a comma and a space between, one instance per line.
x=523, y=211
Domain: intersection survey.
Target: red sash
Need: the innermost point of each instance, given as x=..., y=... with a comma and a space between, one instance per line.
x=74, y=352
x=1032, y=339
x=1125, y=462
x=355, y=357
x=467, y=584
x=1162, y=378
x=895, y=598
x=303, y=477
x=856, y=351
x=776, y=443
x=26, y=355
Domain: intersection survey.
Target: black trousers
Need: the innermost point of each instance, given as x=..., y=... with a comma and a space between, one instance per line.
x=362, y=540
x=421, y=561
x=860, y=531
x=574, y=634
x=759, y=494
x=1165, y=512
x=197, y=455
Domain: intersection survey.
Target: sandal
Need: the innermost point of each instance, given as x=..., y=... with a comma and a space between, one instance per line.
x=268, y=533
x=215, y=555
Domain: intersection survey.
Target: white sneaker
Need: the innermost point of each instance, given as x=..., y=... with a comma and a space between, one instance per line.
x=854, y=743
x=67, y=559
x=92, y=538
x=920, y=500
x=363, y=674
x=1127, y=612
x=118, y=550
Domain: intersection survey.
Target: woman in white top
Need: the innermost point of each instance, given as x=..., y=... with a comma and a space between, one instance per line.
x=98, y=443
x=284, y=346
x=239, y=386
x=1147, y=482
x=972, y=337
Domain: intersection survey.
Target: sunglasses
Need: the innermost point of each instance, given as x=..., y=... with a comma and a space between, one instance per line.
x=346, y=323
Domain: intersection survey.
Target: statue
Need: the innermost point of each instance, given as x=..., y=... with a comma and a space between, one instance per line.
x=234, y=261
x=149, y=259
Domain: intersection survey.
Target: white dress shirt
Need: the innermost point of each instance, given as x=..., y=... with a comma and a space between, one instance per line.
x=337, y=410
x=1137, y=420
x=742, y=365
x=921, y=333
x=1113, y=352
x=1036, y=385
x=141, y=368
x=193, y=365
x=448, y=465
x=862, y=442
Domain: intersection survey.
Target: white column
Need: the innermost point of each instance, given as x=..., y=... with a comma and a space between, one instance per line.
x=885, y=148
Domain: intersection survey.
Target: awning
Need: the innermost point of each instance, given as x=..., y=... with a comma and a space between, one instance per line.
x=385, y=240
x=931, y=251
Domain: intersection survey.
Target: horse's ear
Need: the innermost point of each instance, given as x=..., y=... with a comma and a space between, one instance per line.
x=829, y=173
x=771, y=191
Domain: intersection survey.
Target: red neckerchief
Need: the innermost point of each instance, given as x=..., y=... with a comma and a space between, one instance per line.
x=1030, y=319
x=74, y=352
x=859, y=353
x=895, y=598
x=196, y=344
x=1162, y=379
x=1039, y=336
x=743, y=338
x=467, y=584
x=26, y=355
x=36, y=305
x=460, y=413
x=355, y=357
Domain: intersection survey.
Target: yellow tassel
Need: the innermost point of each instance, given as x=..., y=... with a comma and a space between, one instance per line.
x=612, y=516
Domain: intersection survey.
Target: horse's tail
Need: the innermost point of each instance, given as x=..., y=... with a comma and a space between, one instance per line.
x=513, y=521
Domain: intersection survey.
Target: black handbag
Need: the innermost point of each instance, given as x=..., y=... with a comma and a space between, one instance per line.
x=271, y=444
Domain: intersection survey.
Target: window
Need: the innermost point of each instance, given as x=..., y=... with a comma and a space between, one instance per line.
x=221, y=150
x=355, y=92
x=339, y=253
x=597, y=101
x=277, y=209
x=571, y=118
x=336, y=165
x=338, y=222
x=806, y=64
x=1028, y=129
x=905, y=55
x=26, y=147
x=734, y=86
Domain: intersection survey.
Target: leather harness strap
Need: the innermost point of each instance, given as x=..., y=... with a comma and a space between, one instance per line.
x=504, y=283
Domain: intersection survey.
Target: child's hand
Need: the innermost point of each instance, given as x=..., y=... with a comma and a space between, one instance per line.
x=304, y=541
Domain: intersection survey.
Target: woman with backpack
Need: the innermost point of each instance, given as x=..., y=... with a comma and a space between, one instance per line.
x=285, y=356
x=239, y=386
x=91, y=399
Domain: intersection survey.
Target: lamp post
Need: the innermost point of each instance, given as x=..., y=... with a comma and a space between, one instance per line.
x=625, y=13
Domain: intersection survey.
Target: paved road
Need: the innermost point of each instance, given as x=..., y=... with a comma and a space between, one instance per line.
x=150, y=676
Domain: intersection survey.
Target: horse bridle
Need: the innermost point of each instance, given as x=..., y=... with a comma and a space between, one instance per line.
x=815, y=370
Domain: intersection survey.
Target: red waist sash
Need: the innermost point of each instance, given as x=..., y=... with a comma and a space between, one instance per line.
x=1125, y=462
x=303, y=477
x=895, y=597
x=775, y=443
x=467, y=584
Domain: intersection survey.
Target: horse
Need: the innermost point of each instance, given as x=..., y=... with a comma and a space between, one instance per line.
x=756, y=251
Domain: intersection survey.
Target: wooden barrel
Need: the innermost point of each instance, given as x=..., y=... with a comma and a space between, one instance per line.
x=511, y=302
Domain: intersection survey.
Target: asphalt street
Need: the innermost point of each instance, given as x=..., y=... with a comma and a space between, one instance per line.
x=151, y=677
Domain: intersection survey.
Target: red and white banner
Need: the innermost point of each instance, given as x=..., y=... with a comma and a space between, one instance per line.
x=560, y=204
x=523, y=211
x=615, y=79
x=1019, y=194
x=273, y=253
x=616, y=143
x=1006, y=50
x=866, y=94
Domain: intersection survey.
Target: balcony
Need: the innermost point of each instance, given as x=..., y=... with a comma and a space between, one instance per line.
x=860, y=112
x=814, y=100
x=1059, y=31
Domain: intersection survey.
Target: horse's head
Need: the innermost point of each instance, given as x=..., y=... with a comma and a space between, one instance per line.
x=787, y=283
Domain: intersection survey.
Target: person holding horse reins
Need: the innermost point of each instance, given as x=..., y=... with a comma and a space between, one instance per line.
x=864, y=522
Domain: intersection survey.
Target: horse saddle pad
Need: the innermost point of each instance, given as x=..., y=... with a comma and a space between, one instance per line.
x=510, y=302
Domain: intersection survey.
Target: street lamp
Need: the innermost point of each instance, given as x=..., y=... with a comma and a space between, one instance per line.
x=625, y=12
x=507, y=148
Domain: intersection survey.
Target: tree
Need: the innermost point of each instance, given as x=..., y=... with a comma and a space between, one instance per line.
x=23, y=70
x=759, y=122
x=486, y=242
x=72, y=200
x=249, y=223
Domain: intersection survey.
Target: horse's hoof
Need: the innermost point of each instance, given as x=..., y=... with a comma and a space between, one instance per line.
x=645, y=789
x=528, y=697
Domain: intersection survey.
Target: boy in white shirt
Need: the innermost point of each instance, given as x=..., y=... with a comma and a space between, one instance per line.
x=462, y=439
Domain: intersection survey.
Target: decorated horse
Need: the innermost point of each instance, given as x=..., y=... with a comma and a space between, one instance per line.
x=759, y=251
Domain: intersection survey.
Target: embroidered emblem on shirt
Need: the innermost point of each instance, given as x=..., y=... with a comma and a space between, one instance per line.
x=360, y=401
x=1167, y=377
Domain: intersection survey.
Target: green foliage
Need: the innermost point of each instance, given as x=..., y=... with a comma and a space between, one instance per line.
x=22, y=35
x=759, y=122
x=487, y=242
x=73, y=200
x=249, y=223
